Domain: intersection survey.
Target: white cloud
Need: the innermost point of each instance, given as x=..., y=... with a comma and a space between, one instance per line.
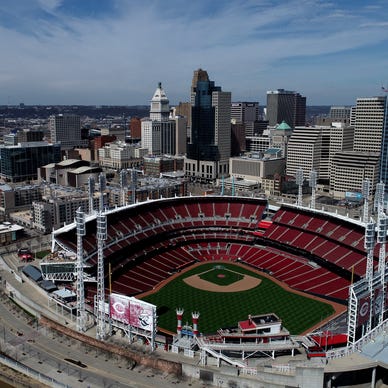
x=49, y=5
x=120, y=59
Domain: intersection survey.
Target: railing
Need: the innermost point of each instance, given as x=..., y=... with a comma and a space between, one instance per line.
x=337, y=353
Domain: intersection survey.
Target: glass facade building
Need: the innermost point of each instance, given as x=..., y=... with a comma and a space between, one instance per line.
x=20, y=163
x=209, y=148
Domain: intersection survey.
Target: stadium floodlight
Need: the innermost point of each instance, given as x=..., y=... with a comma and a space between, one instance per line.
x=299, y=176
x=299, y=182
x=313, y=179
x=365, y=188
x=123, y=178
x=133, y=184
x=382, y=228
x=81, y=312
x=102, y=182
x=91, y=186
x=365, y=194
x=369, y=235
x=80, y=222
x=313, y=185
x=379, y=197
x=123, y=186
x=101, y=236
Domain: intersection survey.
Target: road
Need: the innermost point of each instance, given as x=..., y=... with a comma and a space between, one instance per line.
x=70, y=361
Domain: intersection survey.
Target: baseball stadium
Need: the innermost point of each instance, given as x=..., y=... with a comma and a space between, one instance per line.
x=232, y=279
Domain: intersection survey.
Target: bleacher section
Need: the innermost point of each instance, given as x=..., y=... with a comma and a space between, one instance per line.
x=149, y=242
x=331, y=239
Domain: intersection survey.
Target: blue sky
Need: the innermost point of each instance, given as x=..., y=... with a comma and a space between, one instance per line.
x=116, y=51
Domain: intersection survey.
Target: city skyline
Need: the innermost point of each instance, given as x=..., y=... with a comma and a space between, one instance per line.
x=114, y=52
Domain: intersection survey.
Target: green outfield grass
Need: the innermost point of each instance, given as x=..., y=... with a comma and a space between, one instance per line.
x=217, y=310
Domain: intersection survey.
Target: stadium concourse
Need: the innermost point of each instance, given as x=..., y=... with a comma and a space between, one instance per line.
x=308, y=250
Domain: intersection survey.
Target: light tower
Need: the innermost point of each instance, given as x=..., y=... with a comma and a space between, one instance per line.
x=299, y=182
x=365, y=195
x=91, y=185
x=382, y=239
x=133, y=184
x=81, y=312
x=123, y=186
x=101, y=237
x=369, y=244
x=195, y=317
x=379, y=197
x=179, y=315
x=102, y=184
x=313, y=185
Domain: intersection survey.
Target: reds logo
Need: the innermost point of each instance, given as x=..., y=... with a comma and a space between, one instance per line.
x=364, y=309
x=119, y=308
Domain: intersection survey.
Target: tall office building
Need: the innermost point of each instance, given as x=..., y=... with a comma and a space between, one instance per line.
x=244, y=111
x=285, y=105
x=349, y=169
x=370, y=132
x=161, y=134
x=160, y=105
x=66, y=130
x=369, y=123
x=209, y=149
x=135, y=126
x=340, y=113
x=305, y=149
x=383, y=173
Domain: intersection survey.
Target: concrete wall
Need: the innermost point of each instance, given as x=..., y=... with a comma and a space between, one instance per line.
x=148, y=360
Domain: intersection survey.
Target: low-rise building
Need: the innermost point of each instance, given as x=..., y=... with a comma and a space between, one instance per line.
x=255, y=168
x=118, y=156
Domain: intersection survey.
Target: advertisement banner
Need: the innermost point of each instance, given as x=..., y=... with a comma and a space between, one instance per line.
x=142, y=314
x=120, y=308
x=363, y=310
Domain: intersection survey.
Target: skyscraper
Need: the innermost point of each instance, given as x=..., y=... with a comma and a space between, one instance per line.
x=66, y=130
x=384, y=148
x=160, y=108
x=288, y=106
x=245, y=111
x=369, y=123
x=161, y=134
x=370, y=131
x=208, y=151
